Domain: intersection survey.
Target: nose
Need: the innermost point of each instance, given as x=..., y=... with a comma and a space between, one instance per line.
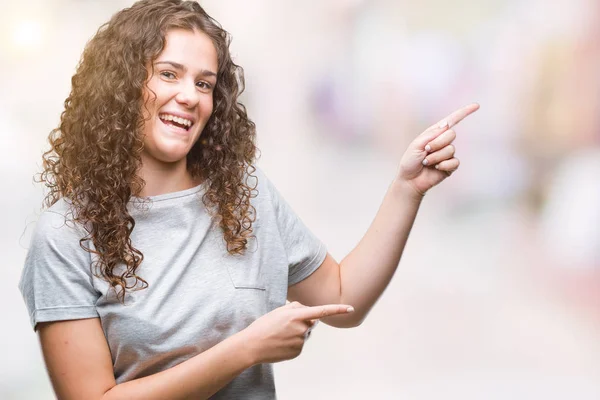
x=187, y=94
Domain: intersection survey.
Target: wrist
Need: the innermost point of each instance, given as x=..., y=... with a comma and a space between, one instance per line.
x=249, y=349
x=406, y=191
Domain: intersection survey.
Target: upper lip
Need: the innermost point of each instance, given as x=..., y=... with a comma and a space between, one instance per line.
x=180, y=115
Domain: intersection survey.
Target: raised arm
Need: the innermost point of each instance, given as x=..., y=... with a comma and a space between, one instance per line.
x=362, y=276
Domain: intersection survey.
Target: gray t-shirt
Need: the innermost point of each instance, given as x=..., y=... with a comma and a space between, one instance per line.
x=198, y=293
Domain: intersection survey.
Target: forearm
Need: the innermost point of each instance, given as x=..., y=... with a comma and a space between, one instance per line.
x=367, y=270
x=199, y=377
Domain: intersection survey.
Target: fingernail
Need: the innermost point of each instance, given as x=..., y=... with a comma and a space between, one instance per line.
x=443, y=124
x=425, y=162
x=437, y=166
x=428, y=148
x=350, y=309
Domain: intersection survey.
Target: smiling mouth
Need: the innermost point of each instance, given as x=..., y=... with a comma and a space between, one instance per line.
x=175, y=127
x=180, y=124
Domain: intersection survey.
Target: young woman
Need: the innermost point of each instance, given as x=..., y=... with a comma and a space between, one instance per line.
x=161, y=266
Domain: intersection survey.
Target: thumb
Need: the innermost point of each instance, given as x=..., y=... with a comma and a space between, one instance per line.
x=295, y=304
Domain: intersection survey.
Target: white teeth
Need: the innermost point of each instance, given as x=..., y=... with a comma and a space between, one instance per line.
x=182, y=121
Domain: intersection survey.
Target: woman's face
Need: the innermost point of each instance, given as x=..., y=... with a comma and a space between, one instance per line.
x=183, y=80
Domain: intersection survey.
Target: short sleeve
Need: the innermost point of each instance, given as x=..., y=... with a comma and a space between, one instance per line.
x=305, y=252
x=56, y=281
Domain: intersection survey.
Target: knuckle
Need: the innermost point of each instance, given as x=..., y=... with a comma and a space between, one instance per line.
x=300, y=331
x=298, y=345
x=288, y=322
x=295, y=352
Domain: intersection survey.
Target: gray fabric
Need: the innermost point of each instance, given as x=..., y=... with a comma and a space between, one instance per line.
x=198, y=294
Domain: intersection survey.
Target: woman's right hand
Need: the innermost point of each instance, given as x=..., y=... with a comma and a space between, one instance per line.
x=280, y=334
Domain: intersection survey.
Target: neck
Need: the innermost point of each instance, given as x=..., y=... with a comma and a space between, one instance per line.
x=164, y=178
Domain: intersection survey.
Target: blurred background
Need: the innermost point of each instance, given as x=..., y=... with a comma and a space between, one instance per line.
x=497, y=295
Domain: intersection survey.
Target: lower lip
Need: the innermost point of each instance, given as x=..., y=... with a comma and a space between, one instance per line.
x=176, y=130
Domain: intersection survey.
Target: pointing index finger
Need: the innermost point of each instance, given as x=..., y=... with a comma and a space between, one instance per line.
x=457, y=116
x=317, y=312
x=435, y=130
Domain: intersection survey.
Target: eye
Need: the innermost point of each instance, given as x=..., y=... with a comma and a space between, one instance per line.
x=204, y=85
x=168, y=74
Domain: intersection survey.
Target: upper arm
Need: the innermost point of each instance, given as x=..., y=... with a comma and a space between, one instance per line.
x=322, y=287
x=77, y=358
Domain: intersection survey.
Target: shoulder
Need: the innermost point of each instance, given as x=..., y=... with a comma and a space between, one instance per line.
x=264, y=186
x=56, y=225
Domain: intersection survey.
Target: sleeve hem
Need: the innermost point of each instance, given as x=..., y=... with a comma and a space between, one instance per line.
x=62, y=313
x=304, y=272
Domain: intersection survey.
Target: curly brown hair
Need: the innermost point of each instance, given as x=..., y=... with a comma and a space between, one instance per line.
x=96, y=149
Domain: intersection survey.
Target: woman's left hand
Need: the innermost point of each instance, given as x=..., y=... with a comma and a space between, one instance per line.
x=430, y=159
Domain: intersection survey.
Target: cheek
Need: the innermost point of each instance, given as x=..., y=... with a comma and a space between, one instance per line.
x=207, y=107
x=209, y=104
x=148, y=118
x=148, y=106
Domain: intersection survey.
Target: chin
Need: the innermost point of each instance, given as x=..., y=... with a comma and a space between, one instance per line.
x=169, y=152
x=167, y=156
x=172, y=160
x=172, y=157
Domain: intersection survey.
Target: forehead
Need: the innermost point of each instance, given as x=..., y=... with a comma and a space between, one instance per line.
x=194, y=49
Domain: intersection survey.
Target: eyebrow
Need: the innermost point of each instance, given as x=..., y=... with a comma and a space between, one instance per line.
x=203, y=72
